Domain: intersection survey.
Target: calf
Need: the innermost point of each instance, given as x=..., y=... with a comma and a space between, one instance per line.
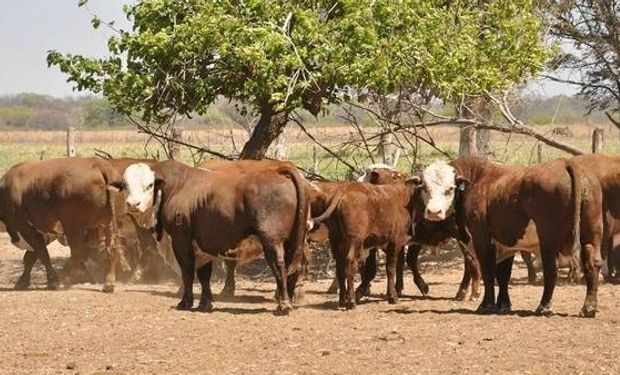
x=39, y=199
x=210, y=212
x=361, y=216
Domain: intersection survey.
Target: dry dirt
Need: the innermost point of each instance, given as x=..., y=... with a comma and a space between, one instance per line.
x=136, y=330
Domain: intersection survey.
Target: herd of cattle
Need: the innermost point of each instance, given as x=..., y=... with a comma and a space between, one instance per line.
x=561, y=211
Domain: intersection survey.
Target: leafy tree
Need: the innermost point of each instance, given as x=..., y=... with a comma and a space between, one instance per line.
x=99, y=113
x=590, y=30
x=278, y=56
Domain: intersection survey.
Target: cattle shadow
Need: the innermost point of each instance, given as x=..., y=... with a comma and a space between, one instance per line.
x=229, y=310
x=236, y=299
x=465, y=311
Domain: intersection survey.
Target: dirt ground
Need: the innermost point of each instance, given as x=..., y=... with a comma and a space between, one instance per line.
x=137, y=331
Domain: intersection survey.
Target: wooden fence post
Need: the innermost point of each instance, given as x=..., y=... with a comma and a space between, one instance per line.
x=598, y=140
x=174, y=147
x=539, y=153
x=315, y=161
x=385, y=148
x=71, y=142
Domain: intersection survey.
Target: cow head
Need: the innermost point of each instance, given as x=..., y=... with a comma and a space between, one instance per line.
x=441, y=184
x=142, y=187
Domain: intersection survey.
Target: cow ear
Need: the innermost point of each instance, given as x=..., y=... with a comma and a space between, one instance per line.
x=414, y=181
x=374, y=177
x=159, y=183
x=116, y=186
x=462, y=183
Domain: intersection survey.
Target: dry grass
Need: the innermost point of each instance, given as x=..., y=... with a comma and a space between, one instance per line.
x=16, y=146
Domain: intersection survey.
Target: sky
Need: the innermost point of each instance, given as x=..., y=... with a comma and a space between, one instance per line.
x=29, y=28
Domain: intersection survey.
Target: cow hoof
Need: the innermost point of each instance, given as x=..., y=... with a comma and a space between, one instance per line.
x=284, y=309
x=544, y=310
x=587, y=312
x=184, y=306
x=350, y=305
x=227, y=293
x=108, y=288
x=503, y=307
x=22, y=284
x=205, y=307
x=460, y=295
x=531, y=280
x=423, y=289
x=393, y=300
x=486, y=309
x=361, y=292
x=474, y=297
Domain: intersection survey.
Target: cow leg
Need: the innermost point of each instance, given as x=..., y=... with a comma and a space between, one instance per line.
x=206, y=297
x=353, y=249
x=504, y=270
x=531, y=271
x=275, y=258
x=392, y=254
x=462, y=292
x=591, y=259
x=184, y=253
x=400, y=265
x=37, y=242
x=471, y=271
x=229, y=285
x=413, y=254
x=341, y=272
x=111, y=251
x=23, y=282
x=486, y=254
x=368, y=272
x=550, y=275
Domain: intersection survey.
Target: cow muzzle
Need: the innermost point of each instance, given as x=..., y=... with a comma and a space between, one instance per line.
x=434, y=215
x=134, y=206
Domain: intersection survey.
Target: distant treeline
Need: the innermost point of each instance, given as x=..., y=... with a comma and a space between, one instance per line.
x=33, y=111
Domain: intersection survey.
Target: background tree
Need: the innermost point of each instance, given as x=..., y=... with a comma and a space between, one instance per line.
x=280, y=56
x=589, y=32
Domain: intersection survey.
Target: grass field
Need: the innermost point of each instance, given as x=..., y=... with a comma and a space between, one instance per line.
x=20, y=146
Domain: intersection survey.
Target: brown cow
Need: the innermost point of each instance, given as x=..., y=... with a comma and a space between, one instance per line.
x=506, y=204
x=251, y=249
x=606, y=170
x=59, y=196
x=211, y=212
x=361, y=216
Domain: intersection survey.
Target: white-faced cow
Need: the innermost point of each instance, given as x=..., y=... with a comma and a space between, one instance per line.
x=504, y=205
x=211, y=212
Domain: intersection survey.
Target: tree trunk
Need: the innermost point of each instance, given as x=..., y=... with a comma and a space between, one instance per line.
x=467, y=136
x=269, y=126
x=483, y=136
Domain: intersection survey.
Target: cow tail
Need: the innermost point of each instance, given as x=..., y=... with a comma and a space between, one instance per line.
x=333, y=203
x=577, y=189
x=299, y=230
x=113, y=182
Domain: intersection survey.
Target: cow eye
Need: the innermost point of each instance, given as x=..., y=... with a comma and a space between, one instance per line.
x=449, y=191
x=150, y=186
